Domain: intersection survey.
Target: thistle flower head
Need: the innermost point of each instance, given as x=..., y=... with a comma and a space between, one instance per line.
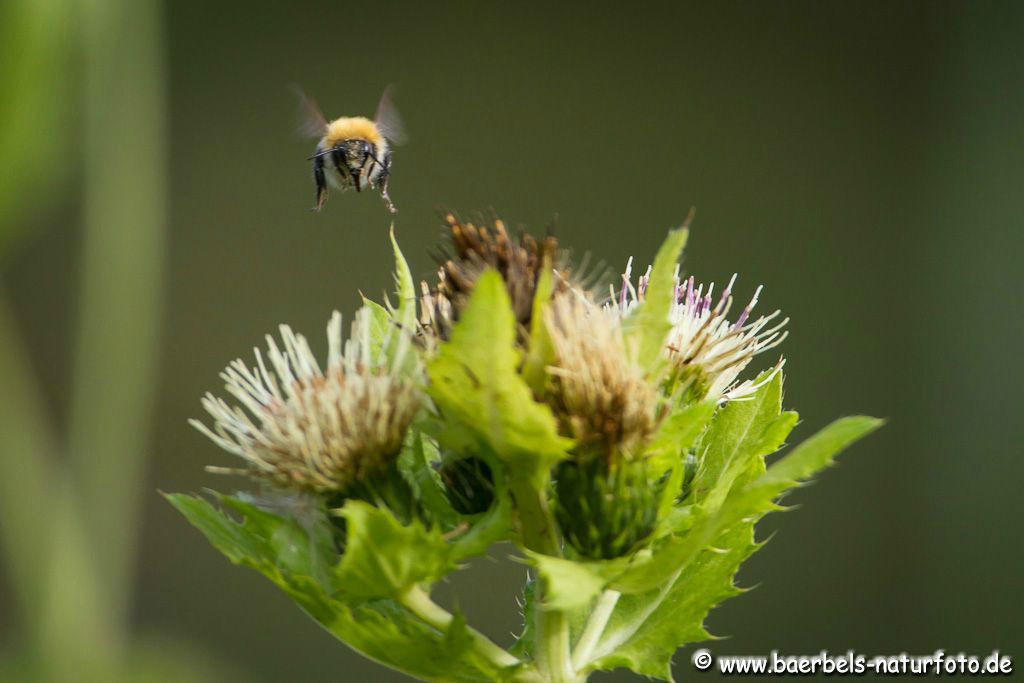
x=599, y=392
x=473, y=250
x=304, y=429
x=706, y=350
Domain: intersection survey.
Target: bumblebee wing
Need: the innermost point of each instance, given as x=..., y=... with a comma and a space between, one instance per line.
x=388, y=120
x=312, y=121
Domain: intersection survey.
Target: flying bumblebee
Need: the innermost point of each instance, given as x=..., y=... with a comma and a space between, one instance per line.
x=354, y=151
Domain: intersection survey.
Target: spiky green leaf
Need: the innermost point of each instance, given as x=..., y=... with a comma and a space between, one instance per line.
x=523, y=647
x=381, y=327
x=646, y=629
x=417, y=465
x=734, y=444
x=679, y=433
x=475, y=383
x=491, y=527
x=405, y=287
x=649, y=325
x=381, y=630
x=649, y=626
x=384, y=558
x=572, y=584
x=742, y=433
x=541, y=351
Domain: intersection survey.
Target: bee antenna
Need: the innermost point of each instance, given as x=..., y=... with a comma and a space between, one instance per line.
x=319, y=154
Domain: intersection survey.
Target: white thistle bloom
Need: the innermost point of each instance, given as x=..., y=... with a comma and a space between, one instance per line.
x=708, y=352
x=305, y=429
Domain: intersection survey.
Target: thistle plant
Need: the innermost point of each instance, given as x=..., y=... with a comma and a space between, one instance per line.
x=614, y=440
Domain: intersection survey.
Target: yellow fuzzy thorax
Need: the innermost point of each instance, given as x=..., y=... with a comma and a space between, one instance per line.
x=352, y=128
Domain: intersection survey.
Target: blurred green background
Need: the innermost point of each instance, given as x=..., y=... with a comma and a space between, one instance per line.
x=862, y=160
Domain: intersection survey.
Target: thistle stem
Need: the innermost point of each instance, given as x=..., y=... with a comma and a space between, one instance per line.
x=553, y=645
x=417, y=601
x=537, y=527
x=592, y=632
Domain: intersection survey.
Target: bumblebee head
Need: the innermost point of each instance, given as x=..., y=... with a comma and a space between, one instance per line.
x=352, y=153
x=355, y=151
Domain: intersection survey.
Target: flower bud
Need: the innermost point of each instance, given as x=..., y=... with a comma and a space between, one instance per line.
x=605, y=512
x=468, y=484
x=472, y=251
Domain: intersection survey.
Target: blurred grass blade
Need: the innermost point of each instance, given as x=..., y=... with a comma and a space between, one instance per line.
x=40, y=529
x=124, y=179
x=79, y=638
x=28, y=453
x=34, y=42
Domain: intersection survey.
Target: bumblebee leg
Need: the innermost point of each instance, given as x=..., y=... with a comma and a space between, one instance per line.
x=387, y=199
x=321, y=183
x=382, y=182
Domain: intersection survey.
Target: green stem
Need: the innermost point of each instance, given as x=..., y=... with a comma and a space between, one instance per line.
x=599, y=617
x=537, y=527
x=417, y=601
x=553, y=645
